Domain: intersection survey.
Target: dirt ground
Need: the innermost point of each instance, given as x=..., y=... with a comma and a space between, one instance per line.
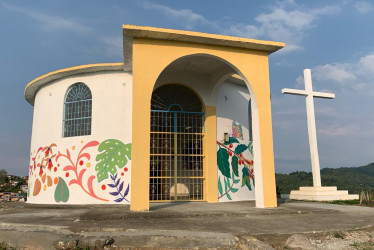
x=336, y=240
x=235, y=225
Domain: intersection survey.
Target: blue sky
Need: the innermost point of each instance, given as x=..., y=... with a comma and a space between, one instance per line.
x=333, y=38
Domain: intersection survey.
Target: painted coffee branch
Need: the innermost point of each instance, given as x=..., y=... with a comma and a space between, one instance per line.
x=185, y=117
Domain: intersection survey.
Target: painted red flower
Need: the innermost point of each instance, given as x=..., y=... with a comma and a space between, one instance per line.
x=251, y=173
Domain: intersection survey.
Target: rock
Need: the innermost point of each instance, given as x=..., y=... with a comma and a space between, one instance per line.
x=299, y=241
x=65, y=244
x=249, y=242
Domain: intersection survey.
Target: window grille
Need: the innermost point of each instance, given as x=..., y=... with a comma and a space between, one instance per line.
x=77, y=111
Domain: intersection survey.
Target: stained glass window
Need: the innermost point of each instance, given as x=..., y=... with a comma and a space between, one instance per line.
x=77, y=110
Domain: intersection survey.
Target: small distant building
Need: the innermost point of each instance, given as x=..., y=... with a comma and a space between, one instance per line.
x=14, y=183
x=185, y=117
x=7, y=197
x=23, y=188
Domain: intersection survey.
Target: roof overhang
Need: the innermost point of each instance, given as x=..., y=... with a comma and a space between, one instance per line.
x=33, y=86
x=134, y=31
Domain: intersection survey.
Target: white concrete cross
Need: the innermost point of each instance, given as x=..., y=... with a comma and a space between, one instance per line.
x=309, y=94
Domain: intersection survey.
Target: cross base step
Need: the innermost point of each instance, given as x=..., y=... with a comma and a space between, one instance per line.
x=320, y=194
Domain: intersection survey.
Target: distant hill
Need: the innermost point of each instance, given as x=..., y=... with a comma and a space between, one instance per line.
x=352, y=179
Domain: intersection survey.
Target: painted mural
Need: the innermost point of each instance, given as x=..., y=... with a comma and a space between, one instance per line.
x=237, y=130
x=235, y=165
x=60, y=169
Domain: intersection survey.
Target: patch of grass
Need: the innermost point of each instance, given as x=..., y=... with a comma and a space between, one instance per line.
x=348, y=202
x=338, y=235
x=3, y=245
x=365, y=246
x=354, y=244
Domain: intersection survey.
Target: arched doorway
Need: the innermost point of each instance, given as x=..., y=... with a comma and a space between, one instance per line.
x=176, y=146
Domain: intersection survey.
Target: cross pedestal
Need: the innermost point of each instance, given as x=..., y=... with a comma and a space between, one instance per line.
x=317, y=192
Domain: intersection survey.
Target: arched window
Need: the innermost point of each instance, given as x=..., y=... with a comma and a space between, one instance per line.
x=77, y=110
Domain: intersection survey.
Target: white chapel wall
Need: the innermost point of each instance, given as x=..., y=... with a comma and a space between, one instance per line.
x=69, y=171
x=234, y=158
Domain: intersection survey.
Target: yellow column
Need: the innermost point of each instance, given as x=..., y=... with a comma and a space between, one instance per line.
x=141, y=113
x=262, y=93
x=211, y=155
x=266, y=138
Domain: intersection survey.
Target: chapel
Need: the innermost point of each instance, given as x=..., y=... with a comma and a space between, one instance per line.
x=186, y=116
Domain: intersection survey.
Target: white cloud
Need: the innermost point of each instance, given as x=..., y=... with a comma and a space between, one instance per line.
x=285, y=25
x=49, y=22
x=336, y=130
x=189, y=18
x=335, y=72
x=285, y=22
x=363, y=7
x=113, y=46
x=107, y=46
x=367, y=65
x=357, y=76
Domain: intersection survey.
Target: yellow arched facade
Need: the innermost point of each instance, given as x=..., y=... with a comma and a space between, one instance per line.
x=149, y=51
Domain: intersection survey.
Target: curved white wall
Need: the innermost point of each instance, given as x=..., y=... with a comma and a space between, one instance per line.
x=111, y=120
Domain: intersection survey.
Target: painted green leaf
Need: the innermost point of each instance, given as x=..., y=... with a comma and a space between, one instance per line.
x=245, y=179
x=240, y=148
x=114, y=154
x=223, y=162
x=62, y=191
x=228, y=196
x=234, y=165
x=226, y=185
x=234, y=190
x=231, y=141
x=236, y=181
x=246, y=182
x=220, y=186
x=245, y=171
x=250, y=147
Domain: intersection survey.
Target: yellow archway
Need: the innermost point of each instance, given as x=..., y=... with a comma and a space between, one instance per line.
x=152, y=51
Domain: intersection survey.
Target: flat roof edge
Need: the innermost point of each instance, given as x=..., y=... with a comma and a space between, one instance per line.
x=199, y=37
x=33, y=86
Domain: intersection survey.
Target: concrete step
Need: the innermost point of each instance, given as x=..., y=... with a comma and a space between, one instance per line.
x=322, y=193
x=323, y=197
x=325, y=188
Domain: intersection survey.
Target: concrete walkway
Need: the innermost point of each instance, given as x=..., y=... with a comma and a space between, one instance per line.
x=195, y=224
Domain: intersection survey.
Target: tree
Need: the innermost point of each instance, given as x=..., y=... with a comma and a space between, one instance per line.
x=3, y=176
